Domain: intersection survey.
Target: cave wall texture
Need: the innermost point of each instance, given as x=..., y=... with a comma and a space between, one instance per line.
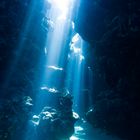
x=16, y=33
x=112, y=29
x=21, y=49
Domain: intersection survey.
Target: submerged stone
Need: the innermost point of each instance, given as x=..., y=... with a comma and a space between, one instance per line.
x=56, y=123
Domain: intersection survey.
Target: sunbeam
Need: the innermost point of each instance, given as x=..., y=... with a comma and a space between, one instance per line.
x=64, y=59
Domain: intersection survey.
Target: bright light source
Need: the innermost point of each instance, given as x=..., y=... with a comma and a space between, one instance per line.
x=63, y=5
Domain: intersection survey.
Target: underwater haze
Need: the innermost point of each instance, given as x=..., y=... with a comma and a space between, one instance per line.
x=69, y=70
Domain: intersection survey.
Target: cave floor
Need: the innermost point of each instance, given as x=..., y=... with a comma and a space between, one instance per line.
x=84, y=131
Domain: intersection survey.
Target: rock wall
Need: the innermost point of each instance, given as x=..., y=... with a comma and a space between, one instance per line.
x=21, y=51
x=113, y=28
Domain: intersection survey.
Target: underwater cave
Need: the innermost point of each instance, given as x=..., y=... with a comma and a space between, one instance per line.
x=69, y=70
